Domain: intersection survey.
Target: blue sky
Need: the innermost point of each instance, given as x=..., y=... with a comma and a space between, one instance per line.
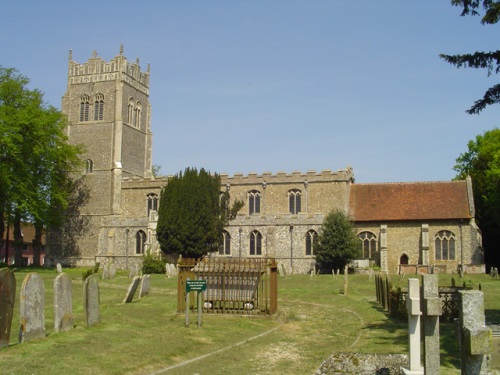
x=295, y=85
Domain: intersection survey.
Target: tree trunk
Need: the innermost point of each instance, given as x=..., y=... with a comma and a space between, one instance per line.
x=37, y=244
x=18, y=241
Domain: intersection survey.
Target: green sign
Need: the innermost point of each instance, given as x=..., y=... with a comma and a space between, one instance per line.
x=196, y=285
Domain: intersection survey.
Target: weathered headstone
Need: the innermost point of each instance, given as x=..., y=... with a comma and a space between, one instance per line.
x=112, y=271
x=475, y=337
x=132, y=272
x=281, y=270
x=63, y=303
x=414, y=312
x=432, y=311
x=131, y=290
x=91, y=303
x=32, y=308
x=7, y=298
x=105, y=272
x=145, y=286
x=59, y=268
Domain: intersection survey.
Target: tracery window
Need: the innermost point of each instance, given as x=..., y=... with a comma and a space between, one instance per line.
x=140, y=242
x=84, y=108
x=99, y=107
x=89, y=166
x=253, y=202
x=152, y=202
x=445, y=245
x=225, y=244
x=130, y=111
x=311, y=242
x=368, y=245
x=294, y=201
x=138, y=115
x=255, y=243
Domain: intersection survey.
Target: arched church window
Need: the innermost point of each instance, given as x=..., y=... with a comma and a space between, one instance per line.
x=84, y=108
x=138, y=115
x=445, y=245
x=89, y=166
x=99, y=107
x=253, y=202
x=225, y=244
x=311, y=242
x=294, y=201
x=130, y=110
x=255, y=243
x=140, y=242
x=152, y=202
x=368, y=245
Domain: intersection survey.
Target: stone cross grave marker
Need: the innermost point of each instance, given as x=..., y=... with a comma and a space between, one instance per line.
x=145, y=286
x=32, y=305
x=91, y=303
x=414, y=312
x=7, y=298
x=131, y=289
x=63, y=303
x=432, y=311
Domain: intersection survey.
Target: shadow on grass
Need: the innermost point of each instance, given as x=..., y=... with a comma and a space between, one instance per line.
x=492, y=316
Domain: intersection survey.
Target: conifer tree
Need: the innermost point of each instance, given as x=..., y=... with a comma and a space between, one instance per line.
x=193, y=213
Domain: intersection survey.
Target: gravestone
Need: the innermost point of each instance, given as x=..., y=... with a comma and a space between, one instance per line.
x=145, y=285
x=105, y=272
x=131, y=290
x=91, y=303
x=112, y=271
x=63, y=303
x=32, y=305
x=432, y=311
x=132, y=272
x=475, y=337
x=7, y=298
x=281, y=270
x=59, y=268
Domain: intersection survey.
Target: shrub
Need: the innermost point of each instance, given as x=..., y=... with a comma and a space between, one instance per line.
x=151, y=264
x=87, y=273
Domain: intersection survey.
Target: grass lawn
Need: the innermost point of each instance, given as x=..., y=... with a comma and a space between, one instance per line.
x=147, y=336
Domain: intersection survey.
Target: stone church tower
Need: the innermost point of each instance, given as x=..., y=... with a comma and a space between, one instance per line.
x=108, y=110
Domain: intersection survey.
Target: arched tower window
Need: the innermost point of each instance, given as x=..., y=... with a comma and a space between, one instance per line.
x=445, y=245
x=140, y=242
x=89, y=166
x=255, y=243
x=368, y=245
x=138, y=115
x=311, y=242
x=99, y=107
x=130, y=110
x=294, y=201
x=253, y=202
x=225, y=244
x=84, y=108
x=152, y=202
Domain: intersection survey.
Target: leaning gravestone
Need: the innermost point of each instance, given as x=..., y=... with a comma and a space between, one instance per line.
x=59, y=268
x=131, y=290
x=91, y=301
x=7, y=298
x=63, y=303
x=32, y=308
x=112, y=271
x=145, y=285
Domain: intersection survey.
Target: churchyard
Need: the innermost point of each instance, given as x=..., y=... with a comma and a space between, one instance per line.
x=148, y=336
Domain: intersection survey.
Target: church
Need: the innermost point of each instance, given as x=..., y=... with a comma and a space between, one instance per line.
x=402, y=227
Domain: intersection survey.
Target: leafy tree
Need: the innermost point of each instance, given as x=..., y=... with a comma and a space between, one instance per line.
x=193, y=213
x=337, y=242
x=35, y=159
x=484, y=60
x=482, y=163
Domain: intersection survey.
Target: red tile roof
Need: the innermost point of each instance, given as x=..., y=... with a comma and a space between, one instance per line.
x=409, y=201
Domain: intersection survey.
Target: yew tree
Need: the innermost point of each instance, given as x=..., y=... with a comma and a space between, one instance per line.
x=192, y=214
